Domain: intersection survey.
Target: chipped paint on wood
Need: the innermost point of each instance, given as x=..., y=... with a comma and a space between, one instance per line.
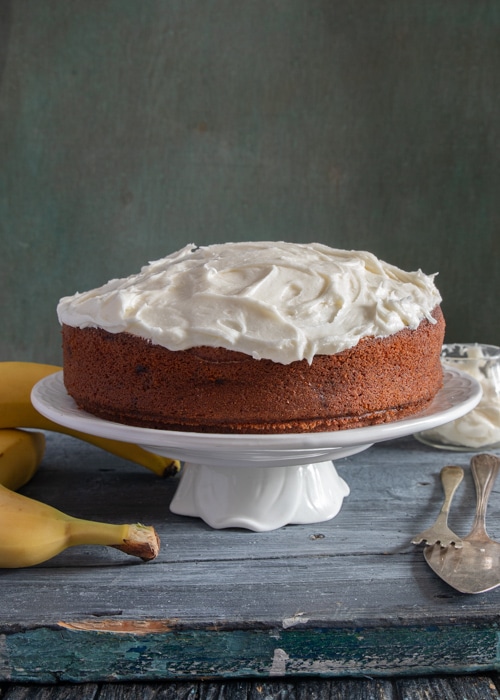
x=278, y=666
x=297, y=619
x=89, y=655
x=120, y=626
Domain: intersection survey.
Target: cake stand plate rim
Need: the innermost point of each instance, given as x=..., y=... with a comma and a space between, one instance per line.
x=460, y=394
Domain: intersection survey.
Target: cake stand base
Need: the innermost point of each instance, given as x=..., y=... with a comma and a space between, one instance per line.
x=260, y=498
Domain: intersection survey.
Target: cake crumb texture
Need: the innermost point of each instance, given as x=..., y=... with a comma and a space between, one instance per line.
x=127, y=379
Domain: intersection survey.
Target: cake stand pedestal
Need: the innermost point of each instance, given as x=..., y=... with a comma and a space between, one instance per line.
x=261, y=498
x=259, y=482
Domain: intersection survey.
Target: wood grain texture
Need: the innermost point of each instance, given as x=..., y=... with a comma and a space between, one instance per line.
x=472, y=688
x=350, y=597
x=482, y=687
x=130, y=129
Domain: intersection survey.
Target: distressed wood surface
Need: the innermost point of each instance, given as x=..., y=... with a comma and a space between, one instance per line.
x=481, y=687
x=349, y=597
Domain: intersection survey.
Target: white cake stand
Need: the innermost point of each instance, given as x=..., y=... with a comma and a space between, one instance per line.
x=258, y=482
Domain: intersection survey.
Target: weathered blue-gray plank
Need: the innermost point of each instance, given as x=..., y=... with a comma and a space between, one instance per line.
x=348, y=597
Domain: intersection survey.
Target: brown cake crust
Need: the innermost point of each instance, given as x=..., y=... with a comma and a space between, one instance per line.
x=126, y=379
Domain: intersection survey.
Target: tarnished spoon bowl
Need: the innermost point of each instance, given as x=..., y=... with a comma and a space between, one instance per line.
x=474, y=568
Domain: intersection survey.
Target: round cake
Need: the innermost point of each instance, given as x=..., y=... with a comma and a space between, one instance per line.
x=263, y=337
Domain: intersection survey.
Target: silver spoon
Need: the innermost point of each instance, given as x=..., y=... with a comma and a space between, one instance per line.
x=475, y=568
x=440, y=533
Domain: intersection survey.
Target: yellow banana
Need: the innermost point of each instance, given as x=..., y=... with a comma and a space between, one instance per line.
x=16, y=411
x=33, y=532
x=21, y=452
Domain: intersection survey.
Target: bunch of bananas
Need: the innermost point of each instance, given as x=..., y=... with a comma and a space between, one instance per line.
x=16, y=411
x=33, y=532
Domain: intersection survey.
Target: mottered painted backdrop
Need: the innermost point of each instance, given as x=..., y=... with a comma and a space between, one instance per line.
x=129, y=128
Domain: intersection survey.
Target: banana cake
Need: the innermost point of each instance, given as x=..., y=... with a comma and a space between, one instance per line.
x=256, y=337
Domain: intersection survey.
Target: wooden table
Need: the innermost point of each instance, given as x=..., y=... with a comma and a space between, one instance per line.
x=469, y=687
x=347, y=608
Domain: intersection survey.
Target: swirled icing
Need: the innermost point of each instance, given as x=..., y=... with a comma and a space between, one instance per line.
x=275, y=300
x=479, y=428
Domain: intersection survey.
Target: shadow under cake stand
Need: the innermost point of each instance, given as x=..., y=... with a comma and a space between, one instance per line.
x=259, y=482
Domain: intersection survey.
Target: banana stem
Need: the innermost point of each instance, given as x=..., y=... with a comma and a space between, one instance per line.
x=137, y=540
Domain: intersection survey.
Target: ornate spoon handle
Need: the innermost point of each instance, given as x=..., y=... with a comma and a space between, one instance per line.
x=484, y=470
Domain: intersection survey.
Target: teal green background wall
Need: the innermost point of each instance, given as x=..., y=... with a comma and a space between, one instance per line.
x=129, y=128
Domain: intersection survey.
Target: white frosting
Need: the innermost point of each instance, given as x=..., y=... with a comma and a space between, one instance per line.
x=281, y=301
x=480, y=427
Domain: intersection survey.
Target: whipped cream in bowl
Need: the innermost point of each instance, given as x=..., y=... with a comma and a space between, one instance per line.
x=480, y=428
x=274, y=300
